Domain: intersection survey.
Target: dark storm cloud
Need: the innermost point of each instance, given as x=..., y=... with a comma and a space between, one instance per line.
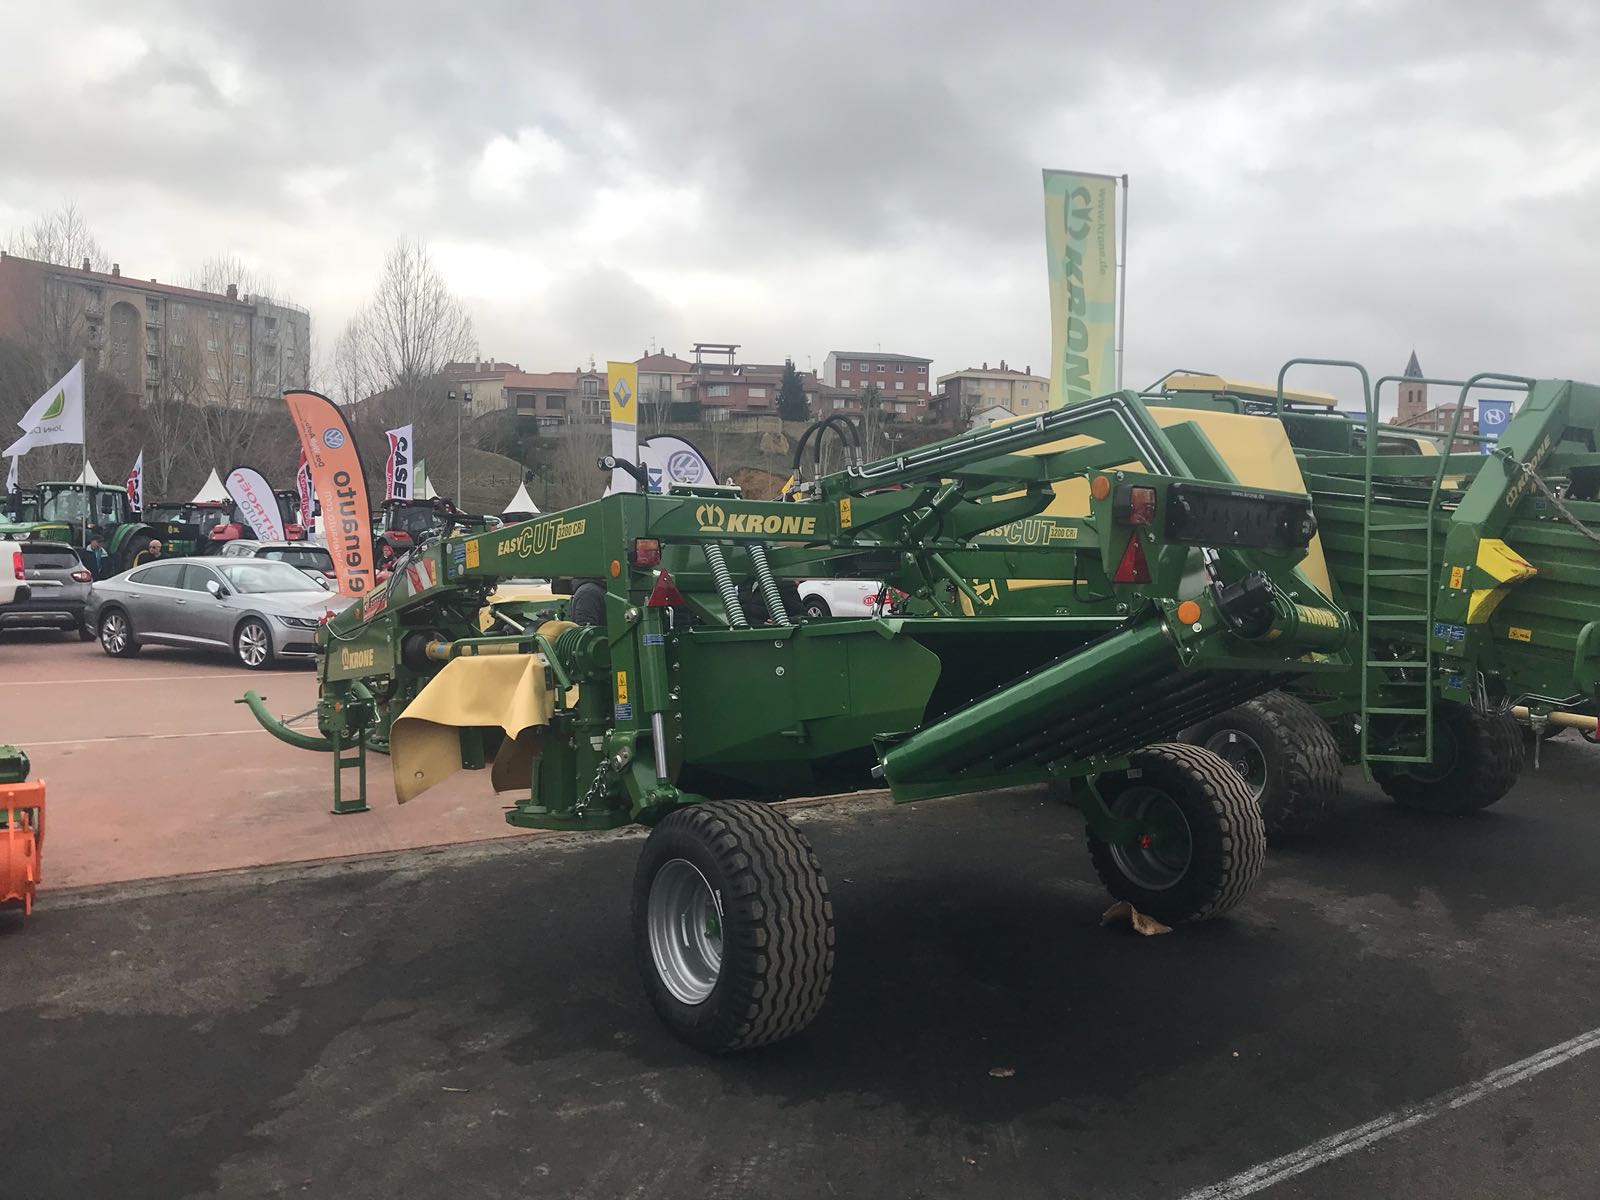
x=1307, y=178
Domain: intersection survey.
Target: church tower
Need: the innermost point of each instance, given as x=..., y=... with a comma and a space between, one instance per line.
x=1413, y=393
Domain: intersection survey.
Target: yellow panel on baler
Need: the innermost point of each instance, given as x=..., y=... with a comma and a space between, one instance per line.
x=1256, y=449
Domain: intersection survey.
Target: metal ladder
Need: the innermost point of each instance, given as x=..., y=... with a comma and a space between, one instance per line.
x=1382, y=675
x=1414, y=630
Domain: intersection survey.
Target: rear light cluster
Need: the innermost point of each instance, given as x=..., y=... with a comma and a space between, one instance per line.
x=16, y=565
x=646, y=552
x=1135, y=504
x=82, y=577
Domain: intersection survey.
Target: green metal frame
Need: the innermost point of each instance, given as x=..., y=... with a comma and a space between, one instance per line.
x=709, y=698
x=1402, y=534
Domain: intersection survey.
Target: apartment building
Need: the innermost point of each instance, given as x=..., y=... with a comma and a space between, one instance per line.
x=976, y=389
x=904, y=379
x=153, y=337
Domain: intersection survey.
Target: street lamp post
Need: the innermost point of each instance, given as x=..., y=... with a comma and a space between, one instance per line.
x=466, y=403
x=451, y=394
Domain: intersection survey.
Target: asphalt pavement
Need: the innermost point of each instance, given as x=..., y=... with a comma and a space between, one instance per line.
x=466, y=1022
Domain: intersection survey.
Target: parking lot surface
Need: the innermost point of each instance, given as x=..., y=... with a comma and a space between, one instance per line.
x=152, y=769
x=467, y=1022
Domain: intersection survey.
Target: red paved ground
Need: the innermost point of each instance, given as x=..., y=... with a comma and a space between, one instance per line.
x=151, y=769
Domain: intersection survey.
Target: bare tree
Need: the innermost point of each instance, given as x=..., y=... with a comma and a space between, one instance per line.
x=408, y=332
x=571, y=474
x=61, y=237
x=55, y=332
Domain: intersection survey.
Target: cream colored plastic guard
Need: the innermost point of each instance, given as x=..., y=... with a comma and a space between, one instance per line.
x=504, y=690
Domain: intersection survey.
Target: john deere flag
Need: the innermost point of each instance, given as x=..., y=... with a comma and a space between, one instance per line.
x=622, y=382
x=136, y=484
x=340, y=486
x=56, y=416
x=1080, y=236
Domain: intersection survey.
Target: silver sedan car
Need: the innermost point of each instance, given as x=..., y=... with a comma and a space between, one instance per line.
x=258, y=610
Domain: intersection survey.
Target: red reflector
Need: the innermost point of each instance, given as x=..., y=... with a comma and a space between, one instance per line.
x=646, y=552
x=1132, y=568
x=665, y=594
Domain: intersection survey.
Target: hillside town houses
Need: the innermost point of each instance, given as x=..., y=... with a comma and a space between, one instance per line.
x=714, y=384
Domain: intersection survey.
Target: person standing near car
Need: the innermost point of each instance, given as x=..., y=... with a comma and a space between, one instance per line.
x=97, y=558
x=149, y=554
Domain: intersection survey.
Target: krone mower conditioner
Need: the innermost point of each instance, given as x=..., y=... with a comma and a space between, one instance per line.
x=695, y=690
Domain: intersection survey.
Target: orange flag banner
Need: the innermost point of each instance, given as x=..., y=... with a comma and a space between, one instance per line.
x=336, y=476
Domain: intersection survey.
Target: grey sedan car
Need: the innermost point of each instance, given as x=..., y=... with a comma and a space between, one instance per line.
x=258, y=610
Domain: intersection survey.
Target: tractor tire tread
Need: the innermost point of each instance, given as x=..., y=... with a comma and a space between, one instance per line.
x=1494, y=754
x=777, y=919
x=1242, y=836
x=1309, y=780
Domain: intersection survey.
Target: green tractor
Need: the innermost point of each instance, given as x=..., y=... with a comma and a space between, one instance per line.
x=70, y=512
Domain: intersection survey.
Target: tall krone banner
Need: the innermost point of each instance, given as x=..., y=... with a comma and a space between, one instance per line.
x=340, y=487
x=254, y=502
x=622, y=383
x=1081, y=244
x=398, y=472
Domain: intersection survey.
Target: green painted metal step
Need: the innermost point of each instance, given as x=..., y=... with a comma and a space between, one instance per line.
x=1393, y=662
x=1400, y=712
x=1414, y=572
x=1416, y=618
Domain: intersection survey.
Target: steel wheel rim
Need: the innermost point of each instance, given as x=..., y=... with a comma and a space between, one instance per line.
x=114, y=633
x=1244, y=754
x=253, y=644
x=684, y=918
x=1159, y=856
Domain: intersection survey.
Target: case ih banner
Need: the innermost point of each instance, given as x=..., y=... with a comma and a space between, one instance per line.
x=341, y=488
x=254, y=502
x=399, y=471
x=136, y=484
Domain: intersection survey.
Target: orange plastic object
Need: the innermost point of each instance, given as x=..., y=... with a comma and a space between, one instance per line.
x=21, y=842
x=1188, y=612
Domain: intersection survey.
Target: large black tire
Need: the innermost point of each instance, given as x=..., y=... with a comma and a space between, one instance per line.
x=1286, y=754
x=1476, y=760
x=762, y=973
x=1203, y=864
x=116, y=634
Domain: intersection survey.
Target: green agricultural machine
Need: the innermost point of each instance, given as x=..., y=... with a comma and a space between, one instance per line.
x=687, y=707
x=1473, y=579
x=65, y=512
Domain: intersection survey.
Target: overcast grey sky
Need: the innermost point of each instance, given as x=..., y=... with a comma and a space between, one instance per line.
x=1349, y=180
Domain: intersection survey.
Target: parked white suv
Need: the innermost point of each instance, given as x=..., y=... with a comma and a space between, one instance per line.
x=845, y=597
x=13, y=576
